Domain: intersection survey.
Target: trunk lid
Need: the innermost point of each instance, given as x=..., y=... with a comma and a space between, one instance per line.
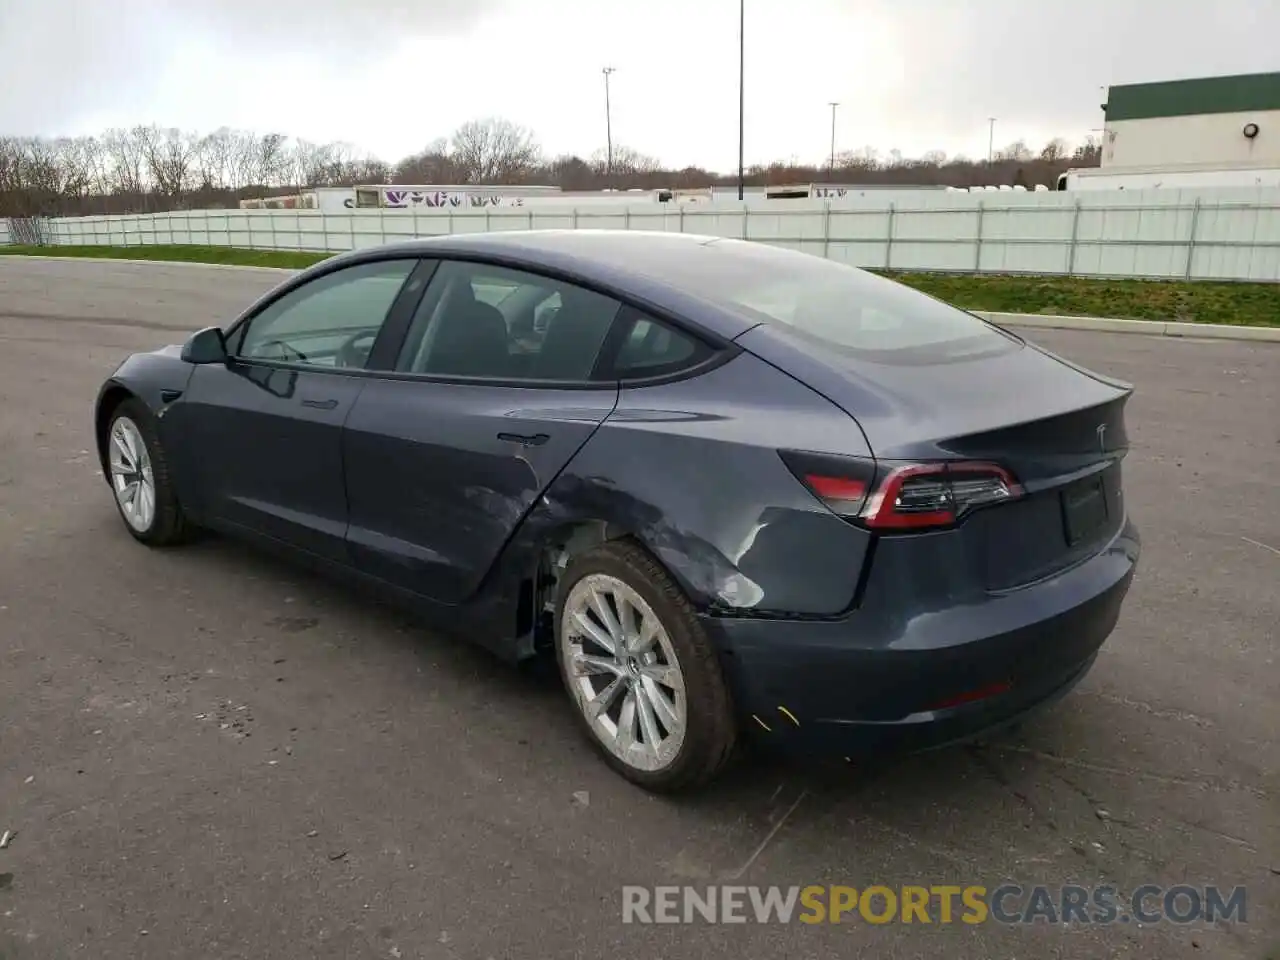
x=940, y=404
x=1059, y=429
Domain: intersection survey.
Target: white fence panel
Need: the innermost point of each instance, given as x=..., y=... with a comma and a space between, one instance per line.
x=1238, y=243
x=1223, y=234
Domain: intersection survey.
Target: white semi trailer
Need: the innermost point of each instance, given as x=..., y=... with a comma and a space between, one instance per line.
x=481, y=196
x=395, y=196
x=1174, y=176
x=463, y=196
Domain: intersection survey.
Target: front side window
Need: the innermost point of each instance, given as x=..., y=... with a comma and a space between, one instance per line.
x=331, y=321
x=485, y=321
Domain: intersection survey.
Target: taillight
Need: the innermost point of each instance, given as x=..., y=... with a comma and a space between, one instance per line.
x=898, y=497
x=935, y=494
x=842, y=494
x=842, y=483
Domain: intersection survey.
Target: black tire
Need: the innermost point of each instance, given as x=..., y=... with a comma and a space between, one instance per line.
x=710, y=730
x=168, y=524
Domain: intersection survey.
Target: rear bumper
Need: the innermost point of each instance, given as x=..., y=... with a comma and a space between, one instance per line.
x=871, y=683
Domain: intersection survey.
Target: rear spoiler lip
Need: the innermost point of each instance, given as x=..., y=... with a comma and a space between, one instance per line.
x=1123, y=386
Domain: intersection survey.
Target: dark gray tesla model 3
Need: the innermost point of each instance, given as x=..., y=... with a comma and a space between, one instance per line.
x=734, y=488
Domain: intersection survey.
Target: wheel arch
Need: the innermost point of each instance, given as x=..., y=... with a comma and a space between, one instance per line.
x=708, y=724
x=555, y=549
x=112, y=396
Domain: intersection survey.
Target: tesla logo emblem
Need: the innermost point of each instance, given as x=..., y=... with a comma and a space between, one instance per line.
x=1102, y=437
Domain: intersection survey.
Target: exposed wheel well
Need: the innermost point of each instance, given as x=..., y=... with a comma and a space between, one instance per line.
x=559, y=548
x=111, y=399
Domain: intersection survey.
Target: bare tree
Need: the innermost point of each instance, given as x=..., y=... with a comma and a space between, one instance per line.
x=494, y=151
x=126, y=169
x=1017, y=151
x=305, y=162
x=15, y=187
x=344, y=166
x=273, y=160
x=434, y=164
x=170, y=156
x=94, y=155
x=626, y=161
x=154, y=168
x=261, y=162
x=76, y=157
x=572, y=173
x=45, y=174
x=1054, y=150
x=242, y=158
x=1088, y=154
x=866, y=158
x=368, y=170
x=213, y=160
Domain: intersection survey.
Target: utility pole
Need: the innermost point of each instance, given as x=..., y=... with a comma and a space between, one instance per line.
x=833, y=138
x=991, y=141
x=742, y=102
x=608, y=130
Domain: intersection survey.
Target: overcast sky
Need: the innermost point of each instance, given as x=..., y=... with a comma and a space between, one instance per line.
x=391, y=75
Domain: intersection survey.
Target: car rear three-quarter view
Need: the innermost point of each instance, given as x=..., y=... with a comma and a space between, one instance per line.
x=900, y=525
x=735, y=489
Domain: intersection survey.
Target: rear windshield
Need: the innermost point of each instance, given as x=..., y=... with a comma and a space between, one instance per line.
x=835, y=305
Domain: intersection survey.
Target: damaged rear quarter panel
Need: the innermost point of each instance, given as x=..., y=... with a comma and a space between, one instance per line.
x=691, y=470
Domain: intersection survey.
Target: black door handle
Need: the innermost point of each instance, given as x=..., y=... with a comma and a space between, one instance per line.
x=320, y=404
x=527, y=440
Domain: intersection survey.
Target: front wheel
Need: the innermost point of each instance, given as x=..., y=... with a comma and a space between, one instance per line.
x=139, y=474
x=643, y=676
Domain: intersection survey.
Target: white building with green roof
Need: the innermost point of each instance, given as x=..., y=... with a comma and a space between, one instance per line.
x=1212, y=121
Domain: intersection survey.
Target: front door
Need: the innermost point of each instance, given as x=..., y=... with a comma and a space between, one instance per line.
x=266, y=427
x=491, y=397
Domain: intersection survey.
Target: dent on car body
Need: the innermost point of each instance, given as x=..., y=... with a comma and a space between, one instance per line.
x=767, y=546
x=746, y=473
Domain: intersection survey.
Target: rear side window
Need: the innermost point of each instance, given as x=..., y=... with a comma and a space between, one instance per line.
x=491, y=322
x=653, y=349
x=837, y=306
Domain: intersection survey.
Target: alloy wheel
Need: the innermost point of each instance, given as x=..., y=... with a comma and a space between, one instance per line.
x=132, y=478
x=623, y=672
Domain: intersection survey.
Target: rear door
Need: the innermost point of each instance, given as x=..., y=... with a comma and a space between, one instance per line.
x=491, y=395
x=264, y=429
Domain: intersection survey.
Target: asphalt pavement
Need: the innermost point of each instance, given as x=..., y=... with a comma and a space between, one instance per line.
x=206, y=753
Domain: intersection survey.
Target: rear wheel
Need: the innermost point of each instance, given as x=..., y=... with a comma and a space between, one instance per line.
x=642, y=674
x=139, y=474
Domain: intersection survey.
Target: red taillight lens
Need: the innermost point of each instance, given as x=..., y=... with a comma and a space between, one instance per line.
x=936, y=494
x=842, y=483
x=848, y=494
x=901, y=497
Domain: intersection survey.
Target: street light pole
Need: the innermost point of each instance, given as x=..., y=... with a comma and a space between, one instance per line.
x=742, y=102
x=608, y=130
x=991, y=141
x=833, y=137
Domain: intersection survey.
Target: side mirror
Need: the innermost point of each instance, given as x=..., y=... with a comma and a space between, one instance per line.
x=205, y=346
